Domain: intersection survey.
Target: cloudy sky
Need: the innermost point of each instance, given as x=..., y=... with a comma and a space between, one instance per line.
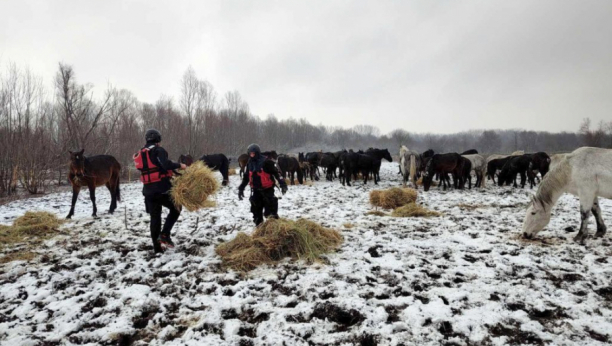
x=425, y=66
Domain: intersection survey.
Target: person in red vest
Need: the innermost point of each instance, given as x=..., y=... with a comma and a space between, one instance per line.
x=261, y=176
x=156, y=171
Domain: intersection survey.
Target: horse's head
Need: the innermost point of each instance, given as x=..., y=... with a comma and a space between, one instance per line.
x=428, y=175
x=537, y=217
x=77, y=163
x=387, y=155
x=186, y=159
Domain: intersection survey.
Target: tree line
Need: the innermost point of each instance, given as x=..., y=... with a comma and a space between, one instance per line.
x=39, y=126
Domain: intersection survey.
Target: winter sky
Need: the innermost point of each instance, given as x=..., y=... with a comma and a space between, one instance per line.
x=425, y=66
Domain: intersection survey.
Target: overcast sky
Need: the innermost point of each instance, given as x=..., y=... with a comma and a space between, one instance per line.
x=425, y=66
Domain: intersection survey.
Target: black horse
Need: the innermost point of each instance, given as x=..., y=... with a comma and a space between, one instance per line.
x=494, y=165
x=354, y=163
x=469, y=152
x=467, y=173
x=379, y=154
x=216, y=162
x=444, y=164
x=314, y=159
x=540, y=162
x=289, y=166
x=516, y=165
x=329, y=162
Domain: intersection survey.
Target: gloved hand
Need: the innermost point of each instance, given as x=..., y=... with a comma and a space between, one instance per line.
x=284, y=188
x=240, y=194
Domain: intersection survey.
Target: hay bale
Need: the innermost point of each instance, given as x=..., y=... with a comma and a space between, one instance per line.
x=393, y=197
x=413, y=210
x=276, y=239
x=32, y=225
x=192, y=189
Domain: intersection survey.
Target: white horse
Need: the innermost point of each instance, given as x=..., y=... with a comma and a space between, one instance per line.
x=479, y=166
x=586, y=173
x=409, y=160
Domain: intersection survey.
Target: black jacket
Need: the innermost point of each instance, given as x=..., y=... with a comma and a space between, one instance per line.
x=267, y=166
x=159, y=157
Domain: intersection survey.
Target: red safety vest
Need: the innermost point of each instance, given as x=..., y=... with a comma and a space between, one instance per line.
x=149, y=172
x=266, y=179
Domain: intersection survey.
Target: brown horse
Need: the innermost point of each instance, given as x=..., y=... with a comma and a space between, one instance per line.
x=94, y=171
x=242, y=163
x=444, y=164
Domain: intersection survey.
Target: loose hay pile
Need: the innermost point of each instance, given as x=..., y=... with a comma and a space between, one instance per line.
x=32, y=227
x=194, y=186
x=276, y=239
x=392, y=198
x=231, y=171
x=413, y=210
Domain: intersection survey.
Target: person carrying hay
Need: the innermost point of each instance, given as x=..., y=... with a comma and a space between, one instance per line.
x=156, y=171
x=261, y=176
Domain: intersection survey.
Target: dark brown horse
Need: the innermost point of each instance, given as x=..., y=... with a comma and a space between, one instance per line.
x=92, y=172
x=216, y=162
x=289, y=166
x=444, y=164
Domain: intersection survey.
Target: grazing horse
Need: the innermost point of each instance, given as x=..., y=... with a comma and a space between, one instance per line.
x=469, y=152
x=410, y=164
x=289, y=166
x=495, y=162
x=243, y=159
x=540, y=162
x=354, y=163
x=466, y=173
x=94, y=171
x=479, y=166
x=314, y=159
x=586, y=173
x=444, y=164
x=515, y=165
x=216, y=162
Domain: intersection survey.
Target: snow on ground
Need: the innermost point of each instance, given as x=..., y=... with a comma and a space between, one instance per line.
x=466, y=278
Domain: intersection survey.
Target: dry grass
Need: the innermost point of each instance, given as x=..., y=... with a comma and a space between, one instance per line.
x=468, y=206
x=231, y=171
x=31, y=229
x=276, y=239
x=348, y=225
x=376, y=213
x=392, y=198
x=420, y=182
x=192, y=189
x=413, y=210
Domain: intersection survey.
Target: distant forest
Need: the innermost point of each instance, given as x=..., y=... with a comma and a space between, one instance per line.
x=38, y=127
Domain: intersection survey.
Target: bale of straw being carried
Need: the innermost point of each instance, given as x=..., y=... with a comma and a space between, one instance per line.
x=392, y=198
x=276, y=239
x=193, y=188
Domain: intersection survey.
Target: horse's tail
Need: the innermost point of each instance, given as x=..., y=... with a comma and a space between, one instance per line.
x=117, y=189
x=413, y=169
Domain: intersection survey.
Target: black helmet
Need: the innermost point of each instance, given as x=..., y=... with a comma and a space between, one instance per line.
x=253, y=148
x=153, y=135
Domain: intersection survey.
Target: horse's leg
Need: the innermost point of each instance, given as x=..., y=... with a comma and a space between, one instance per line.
x=113, y=193
x=292, y=177
x=601, y=227
x=523, y=180
x=586, y=204
x=75, y=195
x=92, y=196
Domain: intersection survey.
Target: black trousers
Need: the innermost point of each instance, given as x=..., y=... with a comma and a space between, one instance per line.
x=154, y=206
x=263, y=203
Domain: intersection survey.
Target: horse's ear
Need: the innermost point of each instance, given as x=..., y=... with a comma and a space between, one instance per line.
x=81, y=152
x=70, y=152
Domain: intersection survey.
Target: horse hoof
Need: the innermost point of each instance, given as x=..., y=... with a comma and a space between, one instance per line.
x=600, y=234
x=580, y=239
x=68, y=217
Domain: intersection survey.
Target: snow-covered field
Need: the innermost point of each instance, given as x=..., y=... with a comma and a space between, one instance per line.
x=466, y=278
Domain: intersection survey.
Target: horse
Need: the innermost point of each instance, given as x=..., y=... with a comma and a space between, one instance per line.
x=289, y=166
x=540, y=162
x=444, y=164
x=410, y=162
x=94, y=171
x=243, y=159
x=516, y=165
x=479, y=166
x=495, y=162
x=216, y=162
x=314, y=159
x=469, y=152
x=466, y=173
x=353, y=163
x=270, y=155
x=379, y=154
x=586, y=173
x=330, y=163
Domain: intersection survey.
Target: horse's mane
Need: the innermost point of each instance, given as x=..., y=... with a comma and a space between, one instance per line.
x=556, y=179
